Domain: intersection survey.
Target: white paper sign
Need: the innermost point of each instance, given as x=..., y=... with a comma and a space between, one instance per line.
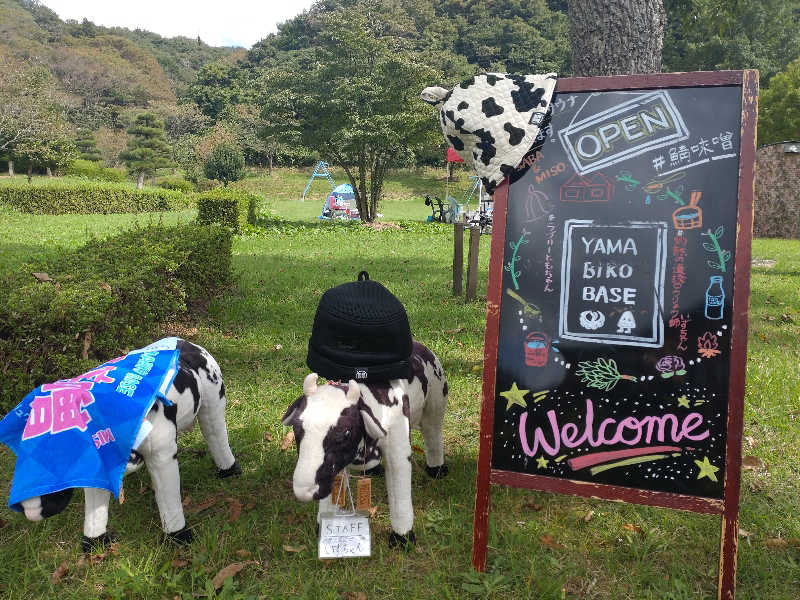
x=344, y=535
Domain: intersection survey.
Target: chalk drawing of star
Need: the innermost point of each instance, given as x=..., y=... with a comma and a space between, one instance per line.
x=683, y=401
x=515, y=396
x=541, y=462
x=706, y=469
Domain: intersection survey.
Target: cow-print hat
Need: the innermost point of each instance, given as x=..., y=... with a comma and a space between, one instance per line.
x=360, y=332
x=493, y=120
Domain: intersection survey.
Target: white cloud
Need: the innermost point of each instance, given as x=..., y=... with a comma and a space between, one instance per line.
x=232, y=22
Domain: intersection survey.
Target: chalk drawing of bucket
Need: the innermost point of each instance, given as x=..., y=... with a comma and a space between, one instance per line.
x=537, y=348
x=689, y=217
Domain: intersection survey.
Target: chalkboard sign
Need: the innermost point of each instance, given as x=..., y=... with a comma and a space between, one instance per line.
x=616, y=328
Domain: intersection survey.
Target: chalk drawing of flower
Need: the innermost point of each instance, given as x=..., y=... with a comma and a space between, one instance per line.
x=671, y=365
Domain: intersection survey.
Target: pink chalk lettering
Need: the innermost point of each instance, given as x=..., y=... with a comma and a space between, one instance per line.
x=636, y=428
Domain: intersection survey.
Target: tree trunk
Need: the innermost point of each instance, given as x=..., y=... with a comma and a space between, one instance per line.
x=10, y=168
x=30, y=171
x=269, y=159
x=49, y=172
x=616, y=37
x=140, y=180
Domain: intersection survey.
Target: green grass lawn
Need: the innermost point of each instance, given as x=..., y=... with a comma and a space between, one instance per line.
x=540, y=546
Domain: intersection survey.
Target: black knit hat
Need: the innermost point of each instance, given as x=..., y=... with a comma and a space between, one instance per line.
x=360, y=332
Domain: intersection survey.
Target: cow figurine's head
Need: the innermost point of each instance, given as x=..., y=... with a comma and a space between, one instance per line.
x=329, y=423
x=493, y=119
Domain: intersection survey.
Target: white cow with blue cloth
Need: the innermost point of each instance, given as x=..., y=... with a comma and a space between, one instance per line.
x=197, y=390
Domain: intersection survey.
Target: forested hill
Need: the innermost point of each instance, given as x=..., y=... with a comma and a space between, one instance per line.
x=100, y=66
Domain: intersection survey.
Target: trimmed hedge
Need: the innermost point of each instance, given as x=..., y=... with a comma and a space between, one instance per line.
x=104, y=298
x=227, y=206
x=96, y=171
x=176, y=183
x=54, y=197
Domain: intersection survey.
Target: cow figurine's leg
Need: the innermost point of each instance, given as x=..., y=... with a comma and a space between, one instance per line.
x=160, y=452
x=95, y=519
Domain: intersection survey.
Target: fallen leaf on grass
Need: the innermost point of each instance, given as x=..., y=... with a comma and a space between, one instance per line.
x=277, y=347
x=203, y=505
x=354, y=596
x=751, y=441
x=59, y=572
x=42, y=276
x=177, y=563
x=268, y=436
x=289, y=548
x=373, y=511
x=105, y=286
x=753, y=463
x=235, y=508
x=187, y=501
x=476, y=368
x=458, y=329
x=229, y=571
x=634, y=528
x=588, y=516
x=417, y=449
x=776, y=543
x=243, y=553
x=743, y=533
x=287, y=440
x=549, y=541
x=3, y=523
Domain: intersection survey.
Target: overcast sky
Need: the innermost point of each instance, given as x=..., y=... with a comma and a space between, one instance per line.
x=227, y=23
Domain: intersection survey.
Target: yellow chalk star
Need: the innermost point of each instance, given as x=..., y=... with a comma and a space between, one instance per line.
x=541, y=462
x=515, y=396
x=706, y=469
x=683, y=401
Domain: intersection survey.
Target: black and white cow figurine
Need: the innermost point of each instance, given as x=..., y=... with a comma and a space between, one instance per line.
x=493, y=120
x=197, y=391
x=332, y=420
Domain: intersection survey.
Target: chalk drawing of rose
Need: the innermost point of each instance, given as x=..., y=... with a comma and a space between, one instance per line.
x=671, y=365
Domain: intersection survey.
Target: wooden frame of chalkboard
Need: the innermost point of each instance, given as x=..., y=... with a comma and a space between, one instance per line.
x=647, y=122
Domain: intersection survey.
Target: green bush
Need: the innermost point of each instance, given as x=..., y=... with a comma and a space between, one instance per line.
x=225, y=164
x=95, y=171
x=111, y=294
x=178, y=184
x=227, y=206
x=54, y=197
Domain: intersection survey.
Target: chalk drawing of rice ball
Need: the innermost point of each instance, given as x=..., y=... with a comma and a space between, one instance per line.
x=592, y=319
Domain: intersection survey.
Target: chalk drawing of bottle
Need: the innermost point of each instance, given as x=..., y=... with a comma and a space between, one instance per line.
x=715, y=298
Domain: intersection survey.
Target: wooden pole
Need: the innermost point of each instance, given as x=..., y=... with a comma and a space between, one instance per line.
x=472, y=263
x=458, y=257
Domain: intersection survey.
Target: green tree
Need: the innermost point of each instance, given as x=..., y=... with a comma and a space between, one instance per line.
x=779, y=107
x=355, y=101
x=87, y=145
x=147, y=149
x=217, y=86
x=225, y=164
x=707, y=35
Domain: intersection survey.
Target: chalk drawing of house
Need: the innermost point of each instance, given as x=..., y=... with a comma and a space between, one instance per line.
x=592, y=187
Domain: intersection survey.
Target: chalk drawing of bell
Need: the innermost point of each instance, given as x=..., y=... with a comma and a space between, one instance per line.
x=626, y=322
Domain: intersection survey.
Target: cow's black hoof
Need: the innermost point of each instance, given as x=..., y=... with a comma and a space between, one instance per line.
x=375, y=471
x=404, y=541
x=439, y=472
x=97, y=543
x=181, y=537
x=234, y=469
